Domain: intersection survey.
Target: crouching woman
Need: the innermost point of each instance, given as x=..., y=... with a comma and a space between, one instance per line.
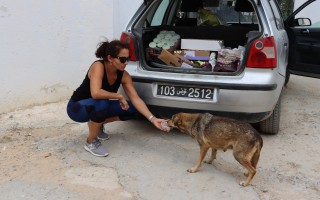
x=96, y=100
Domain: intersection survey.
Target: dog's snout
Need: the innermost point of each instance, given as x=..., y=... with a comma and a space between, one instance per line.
x=170, y=123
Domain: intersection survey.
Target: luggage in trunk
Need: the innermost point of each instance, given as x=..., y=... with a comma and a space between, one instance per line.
x=200, y=49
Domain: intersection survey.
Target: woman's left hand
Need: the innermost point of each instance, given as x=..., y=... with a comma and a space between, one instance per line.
x=124, y=104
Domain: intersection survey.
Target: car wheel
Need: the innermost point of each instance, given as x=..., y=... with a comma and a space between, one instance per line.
x=287, y=77
x=272, y=123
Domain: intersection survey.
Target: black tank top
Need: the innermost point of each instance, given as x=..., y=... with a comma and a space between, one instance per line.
x=83, y=91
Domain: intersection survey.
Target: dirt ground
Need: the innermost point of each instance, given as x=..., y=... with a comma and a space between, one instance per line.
x=42, y=157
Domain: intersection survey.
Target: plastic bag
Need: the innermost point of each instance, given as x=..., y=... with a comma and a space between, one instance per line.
x=228, y=60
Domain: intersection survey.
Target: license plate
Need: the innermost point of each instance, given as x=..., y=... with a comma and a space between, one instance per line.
x=185, y=91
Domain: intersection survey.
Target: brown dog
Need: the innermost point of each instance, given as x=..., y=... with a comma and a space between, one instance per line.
x=221, y=133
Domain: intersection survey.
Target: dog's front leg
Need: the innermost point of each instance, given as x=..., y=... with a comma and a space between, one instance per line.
x=203, y=152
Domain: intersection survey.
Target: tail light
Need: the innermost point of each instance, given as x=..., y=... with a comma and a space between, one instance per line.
x=126, y=37
x=263, y=54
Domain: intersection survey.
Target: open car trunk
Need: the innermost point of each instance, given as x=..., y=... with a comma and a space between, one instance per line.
x=194, y=45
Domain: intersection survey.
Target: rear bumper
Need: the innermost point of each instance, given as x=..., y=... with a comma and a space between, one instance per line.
x=167, y=112
x=251, y=96
x=268, y=87
x=251, y=103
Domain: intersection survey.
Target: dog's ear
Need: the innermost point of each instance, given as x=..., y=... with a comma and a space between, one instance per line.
x=177, y=120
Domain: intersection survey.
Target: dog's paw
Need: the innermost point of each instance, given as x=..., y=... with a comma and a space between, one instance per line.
x=208, y=161
x=192, y=170
x=243, y=183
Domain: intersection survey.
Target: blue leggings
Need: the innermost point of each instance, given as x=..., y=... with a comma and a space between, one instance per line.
x=98, y=110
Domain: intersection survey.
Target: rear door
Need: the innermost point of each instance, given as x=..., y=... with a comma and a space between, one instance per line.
x=303, y=28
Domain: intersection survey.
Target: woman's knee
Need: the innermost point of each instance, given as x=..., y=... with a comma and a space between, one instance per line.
x=101, y=104
x=131, y=113
x=132, y=109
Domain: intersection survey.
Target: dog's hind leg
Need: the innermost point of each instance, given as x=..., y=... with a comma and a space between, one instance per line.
x=255, y=158
x=251, y=172
x=245, y=161
x=213, y=156
x=203, y=152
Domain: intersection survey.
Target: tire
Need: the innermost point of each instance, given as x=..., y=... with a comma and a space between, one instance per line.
x=287, y=77
x=272, y=123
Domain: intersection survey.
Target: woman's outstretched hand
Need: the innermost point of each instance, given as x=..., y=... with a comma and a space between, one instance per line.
x=160, y=124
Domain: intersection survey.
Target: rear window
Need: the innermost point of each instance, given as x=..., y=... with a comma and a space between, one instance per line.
x=197, y=13
x=230, y=14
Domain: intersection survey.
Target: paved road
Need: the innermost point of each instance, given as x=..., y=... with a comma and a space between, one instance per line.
x=42, y=157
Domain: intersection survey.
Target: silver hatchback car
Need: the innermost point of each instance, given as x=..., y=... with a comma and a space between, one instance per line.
x=226, y=57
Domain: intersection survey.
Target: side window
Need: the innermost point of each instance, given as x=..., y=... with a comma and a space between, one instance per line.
x=277, y=15
x=159, y=14
x=311, y=12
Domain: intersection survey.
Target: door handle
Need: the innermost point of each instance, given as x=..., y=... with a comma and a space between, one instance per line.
x=305, y=31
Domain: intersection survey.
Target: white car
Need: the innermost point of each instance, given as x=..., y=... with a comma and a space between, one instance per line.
x=245, y=48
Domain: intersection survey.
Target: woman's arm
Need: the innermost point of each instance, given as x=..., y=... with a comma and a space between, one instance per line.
x=138, y=102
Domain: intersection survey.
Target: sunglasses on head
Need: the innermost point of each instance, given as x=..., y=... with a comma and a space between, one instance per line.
x=123, y=59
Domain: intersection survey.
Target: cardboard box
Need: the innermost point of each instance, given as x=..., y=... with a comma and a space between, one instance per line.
x=169, y=58
x=183, y=60
x=174, y=59
x=197, y=44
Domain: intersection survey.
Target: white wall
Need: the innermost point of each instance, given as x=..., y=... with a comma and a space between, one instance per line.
x=123, y=10
x=47, y=46
x=298, y=3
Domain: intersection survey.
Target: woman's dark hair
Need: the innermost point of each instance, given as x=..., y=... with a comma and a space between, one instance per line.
x=110, y=48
